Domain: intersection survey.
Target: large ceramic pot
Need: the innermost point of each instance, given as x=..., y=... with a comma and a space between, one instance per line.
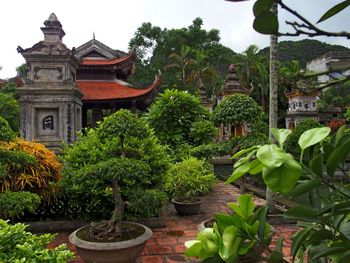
x=187, y=208
x=122, y=252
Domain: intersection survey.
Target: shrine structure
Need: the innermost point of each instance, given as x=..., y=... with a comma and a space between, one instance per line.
x=66, y=90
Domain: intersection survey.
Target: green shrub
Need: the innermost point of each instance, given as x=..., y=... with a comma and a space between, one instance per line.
x=188, y=179
x=291, y=144
x=17, y=246
x=177, y=117
x=13, y=204
x=9, y=110
x=6, y=133
x=145, y=203
x=212, y=150
x=237, y=109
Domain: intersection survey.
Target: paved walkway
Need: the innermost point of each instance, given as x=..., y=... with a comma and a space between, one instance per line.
x=167, y=243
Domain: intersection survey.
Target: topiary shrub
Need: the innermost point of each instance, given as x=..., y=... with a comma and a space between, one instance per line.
x=14, y=204
x=18, y=245
x=291, y=144
x=237, y=109
x=177, y=117
x=188, y=179
x=6, y=133
x=29, y=166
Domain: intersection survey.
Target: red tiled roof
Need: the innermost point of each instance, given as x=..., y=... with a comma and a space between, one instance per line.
x=103, y=90
x=113, y=61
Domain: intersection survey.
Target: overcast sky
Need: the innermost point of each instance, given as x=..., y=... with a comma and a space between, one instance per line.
x=115, y=22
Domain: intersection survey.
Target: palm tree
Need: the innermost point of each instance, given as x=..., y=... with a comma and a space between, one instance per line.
x=182, y=61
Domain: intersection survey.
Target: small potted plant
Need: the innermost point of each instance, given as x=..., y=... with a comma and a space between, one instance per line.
x=120, y=138
x=186, y=181
x=243, y=236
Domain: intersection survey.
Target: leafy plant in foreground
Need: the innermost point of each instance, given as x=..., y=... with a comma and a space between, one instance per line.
x=242, y=235
x=313, y=182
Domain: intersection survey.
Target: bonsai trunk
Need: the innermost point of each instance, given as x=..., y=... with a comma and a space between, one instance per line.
x=111, y=229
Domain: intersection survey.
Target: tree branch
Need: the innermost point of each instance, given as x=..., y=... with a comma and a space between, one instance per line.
x=312, y=30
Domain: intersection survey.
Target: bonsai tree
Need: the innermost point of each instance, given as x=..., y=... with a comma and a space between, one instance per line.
x=124, y=155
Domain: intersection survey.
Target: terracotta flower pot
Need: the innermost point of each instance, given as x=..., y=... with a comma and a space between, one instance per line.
x=187, y=208
x=107, y=252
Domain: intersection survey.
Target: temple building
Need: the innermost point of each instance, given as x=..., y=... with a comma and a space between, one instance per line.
x=65, y=90
x=102, y=79
x=231, y=87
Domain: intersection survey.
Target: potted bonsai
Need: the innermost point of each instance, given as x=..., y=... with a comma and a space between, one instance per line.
x=120, y=140
x=185, y=181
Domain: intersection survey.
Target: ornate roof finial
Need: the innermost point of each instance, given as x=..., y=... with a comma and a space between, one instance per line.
x=53, y=29
x=52, y=21
x=93, y=36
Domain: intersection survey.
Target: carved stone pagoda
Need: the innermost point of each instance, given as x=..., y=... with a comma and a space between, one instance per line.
x=66, y=90
x=50, y=101
x=231, y=87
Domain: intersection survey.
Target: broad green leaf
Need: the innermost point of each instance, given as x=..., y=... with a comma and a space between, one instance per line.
x=226, y=249
x=244, y=151
x=262, y=5
x=212, y=259
x=256, y=167
x=316, y=165
x=193, y=248
x=245, y=247
x=206, y=233
x=271, y=155
x=339, y=134
x=337, y=158
x=238, y=172
x=320, y=235
x=244, y=159
x=266, y=23
x=331, y=251
x=298, y=240
x=281, y=135
x=302, y=213
x=246, y=205
x=334, y=10
x=223, y=221
x=276, y=257
x=312, y=137
x=283, y=178
x=260, y=215
x=304, y=187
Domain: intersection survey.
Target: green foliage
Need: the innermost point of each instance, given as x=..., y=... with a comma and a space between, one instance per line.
x=347, y=114
x=188, y=179
x=6, y=133
x=177, y=117
x=13, y=204
x=122, y=148
x=323, y=202
x=154, y=45
x=18, y=245
x=335, y=97
x=237, y=109
x=292, y=141
x=9, y=110
x=212, y=150
x=145, y=203
x=244, y=234
x=334, y=10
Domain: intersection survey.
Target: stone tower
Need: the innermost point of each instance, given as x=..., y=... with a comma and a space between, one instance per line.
x=50, y=101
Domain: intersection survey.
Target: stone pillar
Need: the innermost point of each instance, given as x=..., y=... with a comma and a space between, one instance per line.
x=50, y=102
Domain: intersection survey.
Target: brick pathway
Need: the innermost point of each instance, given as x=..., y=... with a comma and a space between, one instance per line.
x=167, y=243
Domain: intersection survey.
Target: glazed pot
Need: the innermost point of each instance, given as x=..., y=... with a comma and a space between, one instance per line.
x=107, y=252
x=187, y=208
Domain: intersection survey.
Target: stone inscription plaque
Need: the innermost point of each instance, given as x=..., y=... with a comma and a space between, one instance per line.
x=47, y=122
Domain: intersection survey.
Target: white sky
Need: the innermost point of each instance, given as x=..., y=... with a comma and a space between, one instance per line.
x=115, y=22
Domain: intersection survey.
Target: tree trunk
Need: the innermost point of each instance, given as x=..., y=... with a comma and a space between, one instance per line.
x=273, y=95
